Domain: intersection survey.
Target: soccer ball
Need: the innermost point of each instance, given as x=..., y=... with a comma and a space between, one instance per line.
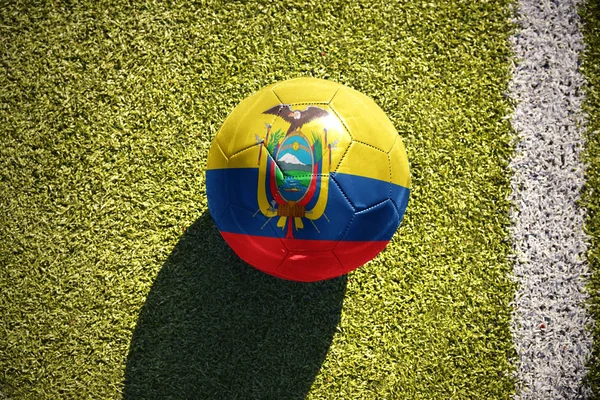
x=307, y=179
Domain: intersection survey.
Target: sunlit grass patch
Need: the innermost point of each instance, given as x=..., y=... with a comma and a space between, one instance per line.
x=106, y=115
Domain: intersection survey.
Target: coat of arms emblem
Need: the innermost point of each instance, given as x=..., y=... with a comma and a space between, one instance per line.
x=294, y=169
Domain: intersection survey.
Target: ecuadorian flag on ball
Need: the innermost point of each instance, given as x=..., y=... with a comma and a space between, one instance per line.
x=307, y=179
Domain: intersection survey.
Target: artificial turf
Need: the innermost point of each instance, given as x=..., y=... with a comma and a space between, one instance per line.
x=113, y=279
x=590, y=13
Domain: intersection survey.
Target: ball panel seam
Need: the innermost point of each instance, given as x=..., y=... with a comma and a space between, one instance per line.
x=345, y=232
x=243, y=150
x=339, y=117
x=332, y=176
x=336, y=92
x=370, y=145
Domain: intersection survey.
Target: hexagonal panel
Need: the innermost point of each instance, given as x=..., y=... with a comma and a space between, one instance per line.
x=217, y=193
x=321, y=128
x=363, y=192
x=242, y=184
x=400, y=196
x=247, y=158
x=246, y=125
x=367, y=235
x=365, y=121
x=363, y=160
x=399, y=164
x=337, y=142
x=355, y=254
x=216, y=157
x=239, y=228
x=310, y=267
x=306, y=90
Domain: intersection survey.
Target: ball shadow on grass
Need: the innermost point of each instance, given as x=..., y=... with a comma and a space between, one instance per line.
x=212, y=327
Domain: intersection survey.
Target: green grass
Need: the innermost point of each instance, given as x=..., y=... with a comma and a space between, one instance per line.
x=591, y=200
x=113, y=279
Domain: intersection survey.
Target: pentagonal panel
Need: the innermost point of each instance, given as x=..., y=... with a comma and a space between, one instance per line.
x=247, y=124
x=306, y=90
x=365, y=121
x=378, y=223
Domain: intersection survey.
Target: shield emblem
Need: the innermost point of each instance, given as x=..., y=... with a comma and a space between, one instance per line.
x=295, y=161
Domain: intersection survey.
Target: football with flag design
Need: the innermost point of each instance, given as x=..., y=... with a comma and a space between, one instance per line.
x=307, y=179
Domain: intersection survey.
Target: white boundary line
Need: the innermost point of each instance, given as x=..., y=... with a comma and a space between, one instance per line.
x=550, y=318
